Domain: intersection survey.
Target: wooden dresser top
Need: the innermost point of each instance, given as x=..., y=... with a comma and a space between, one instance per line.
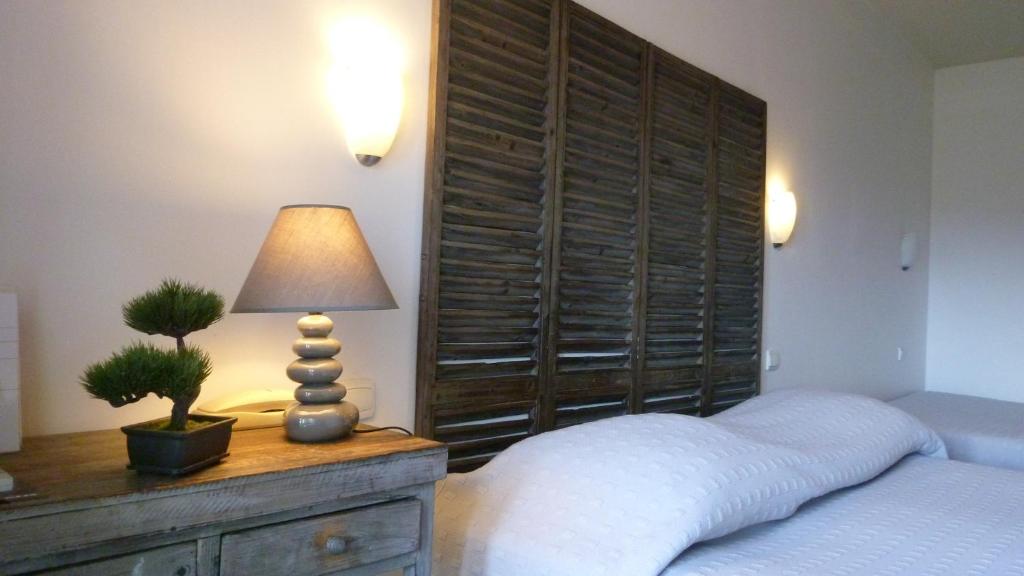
x=51, y=470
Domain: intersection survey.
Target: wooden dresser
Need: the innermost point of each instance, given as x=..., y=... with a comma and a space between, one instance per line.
x=363, y=505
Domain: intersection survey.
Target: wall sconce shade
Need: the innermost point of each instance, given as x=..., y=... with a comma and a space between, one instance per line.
x=781, y=215
x=371, y=108
x=365, y=85
x=314, y=259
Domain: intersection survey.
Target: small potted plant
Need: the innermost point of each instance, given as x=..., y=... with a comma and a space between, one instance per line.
x=182, y=443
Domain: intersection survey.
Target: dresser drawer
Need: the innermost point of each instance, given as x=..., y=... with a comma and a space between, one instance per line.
x=178, y=560
x=325, y=543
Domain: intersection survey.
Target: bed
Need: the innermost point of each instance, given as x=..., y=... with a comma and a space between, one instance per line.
x=979, y=430
x=789, y=483
x=923, y=516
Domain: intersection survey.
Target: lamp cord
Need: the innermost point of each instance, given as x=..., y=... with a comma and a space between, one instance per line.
x=399, y=428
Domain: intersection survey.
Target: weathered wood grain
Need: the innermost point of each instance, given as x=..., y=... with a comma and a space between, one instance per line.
x=87, y=505
x=680, y=207
x=178, y=560
x=592, y=230
x=325, y=543
x=208, y=556
x=485, y=239
x=426, y=355
x=596, y=304
x=70, y=471
x=737, y=249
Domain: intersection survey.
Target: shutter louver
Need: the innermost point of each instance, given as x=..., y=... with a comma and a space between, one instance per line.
x=739, y=238
x=491, y=242
x=677, y=225
x=593, y=229
x=597, y=241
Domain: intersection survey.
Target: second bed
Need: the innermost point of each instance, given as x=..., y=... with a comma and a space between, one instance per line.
x=979, y=430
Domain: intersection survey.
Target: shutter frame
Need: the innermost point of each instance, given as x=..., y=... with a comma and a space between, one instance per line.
x=679, y=385
x=593, y=300
x=469, y=392
x=733, y=376
x=482, y=315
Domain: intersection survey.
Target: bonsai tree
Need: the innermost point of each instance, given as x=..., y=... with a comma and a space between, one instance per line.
x=174, y=309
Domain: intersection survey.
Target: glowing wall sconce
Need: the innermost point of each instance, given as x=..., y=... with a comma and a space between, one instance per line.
x=366, y=92
x=781, y=214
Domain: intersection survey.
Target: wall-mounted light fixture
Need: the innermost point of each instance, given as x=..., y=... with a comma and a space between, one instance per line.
x=365, y=86
x=908, y=250
x=781, y=213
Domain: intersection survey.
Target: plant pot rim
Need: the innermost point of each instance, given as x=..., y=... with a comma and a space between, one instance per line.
x=144, y=429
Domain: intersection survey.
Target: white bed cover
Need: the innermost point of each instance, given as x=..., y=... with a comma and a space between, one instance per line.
x=627, y=495
x=923, y=517
x=974, y=429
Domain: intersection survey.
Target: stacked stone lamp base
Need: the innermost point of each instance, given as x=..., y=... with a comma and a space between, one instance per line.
x=315, y=258
x=321, y=414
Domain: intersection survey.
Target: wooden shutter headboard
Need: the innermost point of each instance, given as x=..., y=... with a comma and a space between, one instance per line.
x=593, y=229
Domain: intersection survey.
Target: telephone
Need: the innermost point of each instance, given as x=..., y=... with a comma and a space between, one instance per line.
x=264, y=407
x=253, y=408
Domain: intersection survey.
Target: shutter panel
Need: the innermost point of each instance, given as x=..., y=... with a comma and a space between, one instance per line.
x=680, y=147
x=738, y=249
x=595, y=254
x=490, y=209
x=593, y=226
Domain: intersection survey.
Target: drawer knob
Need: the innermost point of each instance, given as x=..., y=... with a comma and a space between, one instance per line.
x=336, y=545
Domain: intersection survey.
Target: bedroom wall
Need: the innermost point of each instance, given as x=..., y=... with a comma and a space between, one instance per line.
x=977, y=271
x=140, y=139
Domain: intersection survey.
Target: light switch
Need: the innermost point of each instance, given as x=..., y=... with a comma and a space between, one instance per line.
x=10, y=420
x=10, y=399
x=772, y=358
x=899, y=353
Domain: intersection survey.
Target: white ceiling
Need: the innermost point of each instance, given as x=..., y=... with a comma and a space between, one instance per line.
x=953, y=32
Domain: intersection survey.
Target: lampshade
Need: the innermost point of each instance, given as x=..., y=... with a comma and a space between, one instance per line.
x=314, y=259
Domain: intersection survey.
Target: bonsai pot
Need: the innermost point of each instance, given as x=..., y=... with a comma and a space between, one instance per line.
x=176, y=452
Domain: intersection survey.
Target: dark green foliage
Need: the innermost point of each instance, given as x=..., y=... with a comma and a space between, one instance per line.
x=142, y=369
x=127, y=376
x=174, y=309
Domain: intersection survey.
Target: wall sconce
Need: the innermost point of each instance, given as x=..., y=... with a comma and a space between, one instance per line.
x=366, y=92
x=781, y=214
x=908, y=250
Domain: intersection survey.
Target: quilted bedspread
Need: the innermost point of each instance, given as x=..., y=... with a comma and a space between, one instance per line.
x=627, y=495
x=923, y=517
x=979, y=430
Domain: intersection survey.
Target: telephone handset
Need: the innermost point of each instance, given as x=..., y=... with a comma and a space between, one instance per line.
x=264, y=407
x=261, y=408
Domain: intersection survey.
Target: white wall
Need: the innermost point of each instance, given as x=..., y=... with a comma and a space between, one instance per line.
x=849, y=114
x=140, y=139
x=976, y=298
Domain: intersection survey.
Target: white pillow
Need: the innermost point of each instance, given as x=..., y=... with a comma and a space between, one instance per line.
x=626, y=495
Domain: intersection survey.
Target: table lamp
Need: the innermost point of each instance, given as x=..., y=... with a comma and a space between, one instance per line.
x=315, y=260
